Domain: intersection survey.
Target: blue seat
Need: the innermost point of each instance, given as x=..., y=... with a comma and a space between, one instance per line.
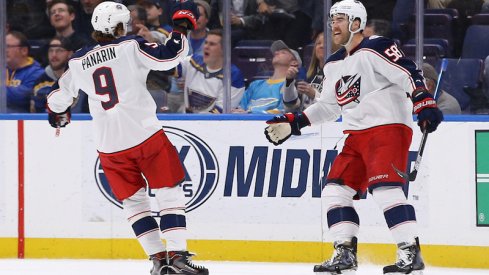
x=252, y=57
x=436, y=26
x=480, y=19
x=476, y=42
x=437, y=41
x=432, y=53
x=452, y=12
x=461, y=73
x=439, y=26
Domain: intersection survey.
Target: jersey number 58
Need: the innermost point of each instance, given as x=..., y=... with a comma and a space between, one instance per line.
x=393, y=53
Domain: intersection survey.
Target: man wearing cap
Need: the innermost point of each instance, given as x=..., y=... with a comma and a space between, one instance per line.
x=22, y=72
x=59, y=52
x=446, y=102
x=265, y=96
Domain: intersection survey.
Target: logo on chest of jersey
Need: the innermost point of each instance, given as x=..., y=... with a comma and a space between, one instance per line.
x=199, y=162
x=348, y=89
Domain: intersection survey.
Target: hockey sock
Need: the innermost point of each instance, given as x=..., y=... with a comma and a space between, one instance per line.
x=137, y=209
x=399, y=214
x=173, y=221
x=174, y=231
x=343, y=220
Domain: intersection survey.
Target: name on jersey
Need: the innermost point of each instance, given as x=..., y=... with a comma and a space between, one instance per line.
x=95, y=58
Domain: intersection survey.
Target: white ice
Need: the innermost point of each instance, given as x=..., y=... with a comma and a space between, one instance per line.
x=136, y=267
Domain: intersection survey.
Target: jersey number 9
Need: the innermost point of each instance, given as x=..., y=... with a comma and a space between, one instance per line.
x=105, y=85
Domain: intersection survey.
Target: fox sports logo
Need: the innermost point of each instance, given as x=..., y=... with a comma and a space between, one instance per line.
x=199, y=162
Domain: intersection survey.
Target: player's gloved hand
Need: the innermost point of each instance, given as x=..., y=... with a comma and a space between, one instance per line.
x=281, y=127
x=429, y=116
x=58, y=120
x=184, y=14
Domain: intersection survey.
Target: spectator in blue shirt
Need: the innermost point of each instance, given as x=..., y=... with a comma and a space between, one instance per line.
x=22, y=72
x=265, y=96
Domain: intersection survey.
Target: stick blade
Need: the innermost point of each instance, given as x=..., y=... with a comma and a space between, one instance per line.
x=412, y=175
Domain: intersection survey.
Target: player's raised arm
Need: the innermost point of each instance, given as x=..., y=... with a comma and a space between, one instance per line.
x=165, y=57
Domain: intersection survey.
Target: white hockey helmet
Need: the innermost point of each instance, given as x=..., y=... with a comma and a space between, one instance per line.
x=351, y=8
x=107, y=15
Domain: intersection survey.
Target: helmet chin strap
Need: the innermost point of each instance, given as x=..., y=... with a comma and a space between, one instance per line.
x=348, y=43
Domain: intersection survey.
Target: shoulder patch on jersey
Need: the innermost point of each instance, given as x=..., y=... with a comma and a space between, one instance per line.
x=338, y=55
x=377, y=43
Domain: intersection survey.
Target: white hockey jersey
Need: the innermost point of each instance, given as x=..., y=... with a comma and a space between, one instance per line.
x=113, y=75
x=204, y=90
x=369, y=87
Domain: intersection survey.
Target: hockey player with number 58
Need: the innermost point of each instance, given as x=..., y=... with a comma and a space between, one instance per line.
x=130, y=140
x=375, y=89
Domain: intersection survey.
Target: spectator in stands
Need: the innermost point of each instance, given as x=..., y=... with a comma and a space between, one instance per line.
x=83, y=18
x=61, y=16
x=244, y=18
x=137, y=25
x=265, y=96
x=22, y=72
x=380, y=27
x=286, y=21
x=28, y=17
x=59, y=52
x=446, y=103
x=196, y=39
x=154, y=11
x=300, y=94
x=203, y=86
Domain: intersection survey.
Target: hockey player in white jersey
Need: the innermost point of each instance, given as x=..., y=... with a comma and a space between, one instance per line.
x=129, y=137
x=375, y=89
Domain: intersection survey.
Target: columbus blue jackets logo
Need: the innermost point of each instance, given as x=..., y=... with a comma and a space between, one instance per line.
x=199, y=162
x=348, y=89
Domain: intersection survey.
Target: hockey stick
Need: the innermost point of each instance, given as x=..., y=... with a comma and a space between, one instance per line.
x=414, y=173
x=419, y=156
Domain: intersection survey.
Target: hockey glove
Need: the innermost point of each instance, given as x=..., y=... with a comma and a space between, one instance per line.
x=429, y=116
x=184, y=14
x=283, y=126
x=58, y=120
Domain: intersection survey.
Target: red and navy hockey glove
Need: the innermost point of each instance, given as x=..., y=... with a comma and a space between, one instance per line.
x=185, y=14
x=283, y=126
x=58, y=120
x=429, y=116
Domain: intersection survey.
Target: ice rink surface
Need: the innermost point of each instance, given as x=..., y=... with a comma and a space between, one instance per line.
x=133, y=267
